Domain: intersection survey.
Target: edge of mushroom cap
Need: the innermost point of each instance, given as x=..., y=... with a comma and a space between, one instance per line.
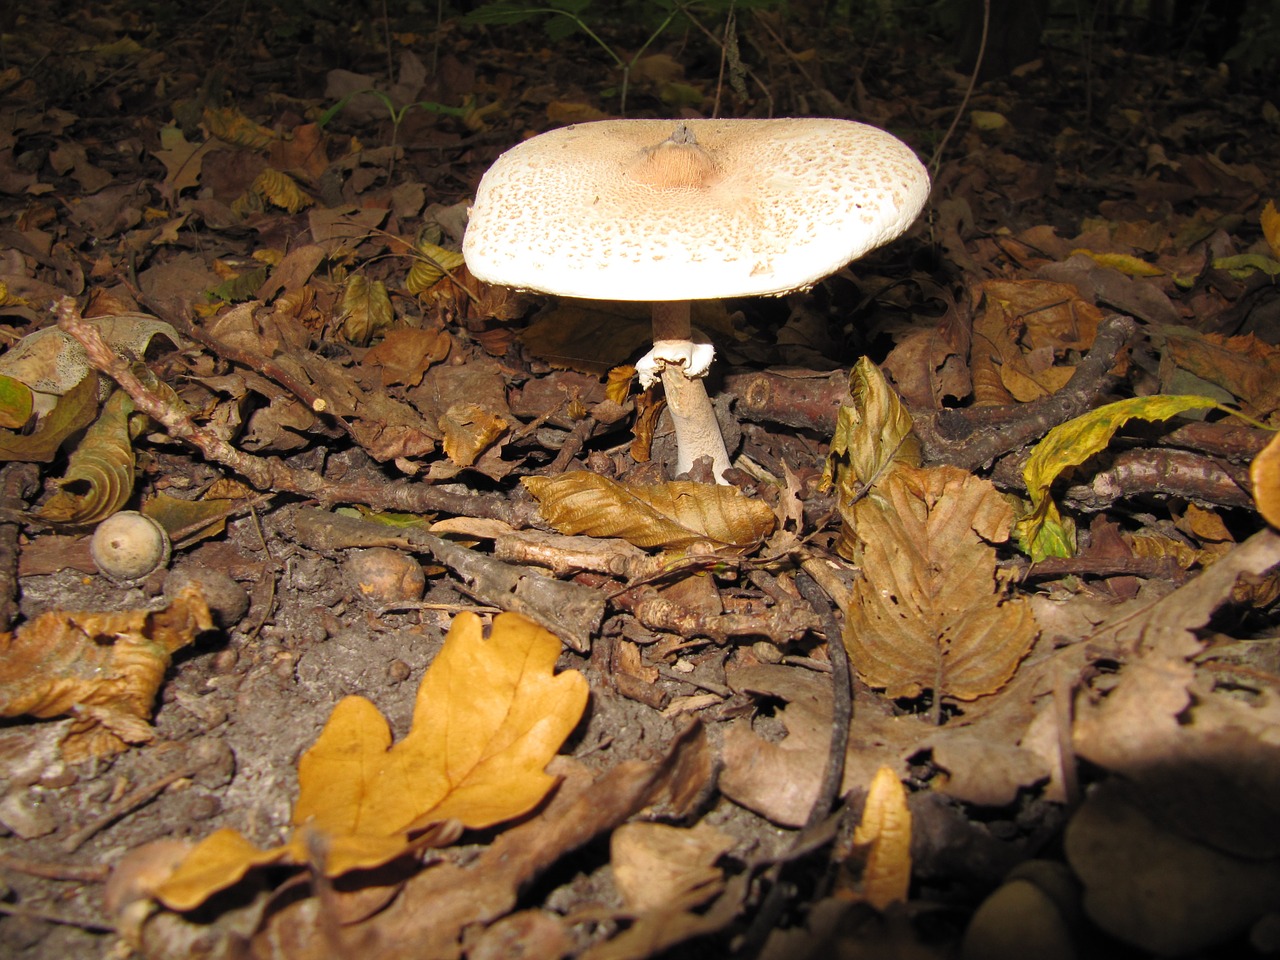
x=791, y=201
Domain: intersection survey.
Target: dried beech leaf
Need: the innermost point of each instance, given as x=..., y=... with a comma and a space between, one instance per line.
x=469, y=429
x=71, y=412
x=1071, y=444
x=668, y=515
x=873, y=433
x=405, y=354
x=230, y=125
x=281, y=190
x=660, y=866
x=929, y=611
x=490, y=715
x=99, y=477
x=430, y=263
x=366, y=309
x=885, y=829
x=1244, y=365
x=102, y=668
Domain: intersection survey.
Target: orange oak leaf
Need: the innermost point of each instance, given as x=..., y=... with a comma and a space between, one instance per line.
x=490, y=714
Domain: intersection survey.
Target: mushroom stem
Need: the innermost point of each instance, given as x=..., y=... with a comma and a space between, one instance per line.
x=694, y=419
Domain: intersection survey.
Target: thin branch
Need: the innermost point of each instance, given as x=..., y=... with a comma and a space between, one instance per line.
x=266, y=473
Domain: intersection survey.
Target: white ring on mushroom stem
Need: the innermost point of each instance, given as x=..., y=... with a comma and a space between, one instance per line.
x=694, y=359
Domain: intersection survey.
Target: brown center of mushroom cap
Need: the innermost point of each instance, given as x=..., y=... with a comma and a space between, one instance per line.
x=677, y=161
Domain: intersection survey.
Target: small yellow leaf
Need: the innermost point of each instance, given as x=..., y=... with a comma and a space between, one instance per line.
x=232, y=126
x=1271, y=227
x=366, y=310
x=988, y=120
x=668, y=515
x=281, y=190
x=430, y=263
x=873, y=434
x=886, y=829
x=1128, y=265
x=217, y=862
x=618, y=385
x=1071, y=444
x=469, y=429
x=1264, y=474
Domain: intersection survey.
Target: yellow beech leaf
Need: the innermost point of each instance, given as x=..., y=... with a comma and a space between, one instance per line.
x=872, y=435
x=668, y=515
x=1071, y=444
x=230, y=125
x=1271, y=227
x=430, y=263
x=1125, y=263
x=469, y=429
x=366, y=309
x=928, y=611
x=886, y=830
x=1264, y=474
x=489, y=716
x=281, y=190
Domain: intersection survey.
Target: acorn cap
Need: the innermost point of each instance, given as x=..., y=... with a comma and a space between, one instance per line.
x=690, y=209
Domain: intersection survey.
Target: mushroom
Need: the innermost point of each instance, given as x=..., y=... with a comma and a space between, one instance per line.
x=670, y=211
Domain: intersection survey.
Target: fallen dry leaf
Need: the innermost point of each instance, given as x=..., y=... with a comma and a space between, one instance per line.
x=885, y=831
x=668, y=515
x=489, y=716
x=929, y=611
x=469, y=429
x=656, y=865
x=1247, y=367
x=872, y=436
x=103, y=669
x=99, y=477
x=405, y=354
x=1043, y=533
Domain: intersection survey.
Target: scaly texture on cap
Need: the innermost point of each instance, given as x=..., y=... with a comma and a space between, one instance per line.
x=692, y=209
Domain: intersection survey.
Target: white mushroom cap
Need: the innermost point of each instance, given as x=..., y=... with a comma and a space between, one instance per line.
x=624, y=210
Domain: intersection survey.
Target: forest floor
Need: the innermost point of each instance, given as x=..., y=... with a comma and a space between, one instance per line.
x=425, y=545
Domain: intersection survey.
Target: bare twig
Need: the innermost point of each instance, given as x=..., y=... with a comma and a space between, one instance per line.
x=73, y=872
x=1178, y=473
x=17, y=483
x=936, y=160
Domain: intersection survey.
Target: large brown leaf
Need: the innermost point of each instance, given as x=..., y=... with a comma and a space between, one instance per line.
x=669, y=515
x=929, y=611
